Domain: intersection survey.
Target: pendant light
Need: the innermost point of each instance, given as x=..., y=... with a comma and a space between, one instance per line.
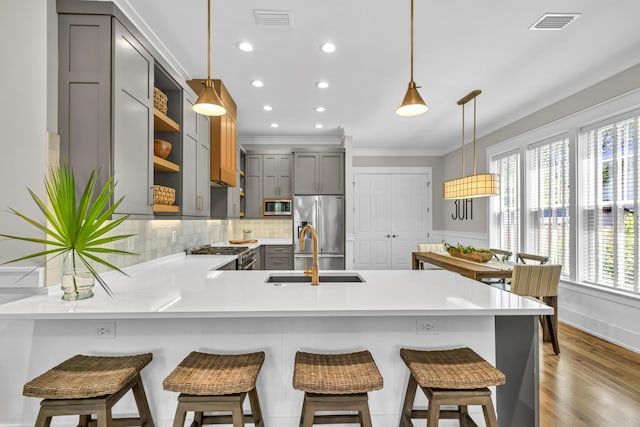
x=412, y=103
x=208, y=102
x=482, y=185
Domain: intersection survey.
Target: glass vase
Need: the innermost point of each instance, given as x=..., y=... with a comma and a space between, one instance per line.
x=77, y=280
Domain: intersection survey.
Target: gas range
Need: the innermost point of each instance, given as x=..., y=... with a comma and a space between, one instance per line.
x=247, y=257
x=217, y=250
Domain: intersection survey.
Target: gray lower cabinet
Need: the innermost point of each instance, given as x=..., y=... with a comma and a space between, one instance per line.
x=253, y=186
x=106, y=112
x=319, y=173
x=278, y=257
x=276, y=175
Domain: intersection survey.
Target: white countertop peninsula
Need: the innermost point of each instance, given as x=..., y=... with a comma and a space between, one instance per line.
x=177, y=304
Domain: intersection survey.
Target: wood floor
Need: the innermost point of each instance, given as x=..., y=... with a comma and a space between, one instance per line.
x=591, y=383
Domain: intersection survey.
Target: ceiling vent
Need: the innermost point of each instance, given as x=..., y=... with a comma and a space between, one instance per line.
x=273, y=18
x=554, y=21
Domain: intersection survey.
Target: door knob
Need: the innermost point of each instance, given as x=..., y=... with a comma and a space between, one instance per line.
x=394, y=236
x=388, y=235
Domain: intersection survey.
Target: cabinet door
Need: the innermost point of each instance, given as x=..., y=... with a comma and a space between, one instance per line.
x=305, y=173
x=253, y=186
x=270, y=176
x=132, y=123
x=331, y=173
x=189, y=173
x=202, y=168
x=285, y=169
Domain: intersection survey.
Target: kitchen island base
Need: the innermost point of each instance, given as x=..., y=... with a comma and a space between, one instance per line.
x=505, y=341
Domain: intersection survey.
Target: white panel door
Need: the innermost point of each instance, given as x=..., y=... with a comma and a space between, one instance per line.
x=392, y=214
x=372, y=226
x=411, y=200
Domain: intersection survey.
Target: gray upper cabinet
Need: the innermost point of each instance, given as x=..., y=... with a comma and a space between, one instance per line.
x=277, y=171
x=253, y=186
x=195, y=162
x=106, y=112
x=319, y=173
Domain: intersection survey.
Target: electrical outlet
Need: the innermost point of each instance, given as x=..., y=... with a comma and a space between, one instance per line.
x=428, y=326
x=104, y=329
x=174, y=236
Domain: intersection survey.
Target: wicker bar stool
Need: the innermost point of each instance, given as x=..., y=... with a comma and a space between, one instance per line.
x=91, y=385
x=216, y=382
x=336, y=383
x=449, y=377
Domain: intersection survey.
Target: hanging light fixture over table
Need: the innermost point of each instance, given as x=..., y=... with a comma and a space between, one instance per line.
x=476, y=185
x=412, y=104
x=208, y=102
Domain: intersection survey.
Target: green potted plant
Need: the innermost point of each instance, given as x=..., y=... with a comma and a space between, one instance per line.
x=246, y=233
x=75, y=231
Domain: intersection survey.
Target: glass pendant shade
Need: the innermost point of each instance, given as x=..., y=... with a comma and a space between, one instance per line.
x=412, y=104
x=208, y=102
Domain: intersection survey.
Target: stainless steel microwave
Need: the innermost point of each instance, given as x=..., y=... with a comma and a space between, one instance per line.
x=276, y=207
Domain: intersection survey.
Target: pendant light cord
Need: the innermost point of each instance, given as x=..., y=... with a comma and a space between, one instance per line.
x=474, y=136
x=411, y=40
x=208, y=39
x=462, y=149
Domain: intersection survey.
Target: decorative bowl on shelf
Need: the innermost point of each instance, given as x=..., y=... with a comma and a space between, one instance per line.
x=161, y=148
x=471, y=255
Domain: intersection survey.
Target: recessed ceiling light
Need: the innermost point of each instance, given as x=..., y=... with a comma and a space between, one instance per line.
x=318, y=126
x=328, y=47
x=320, y=109
x=257, y=83
x=274, y=125
x=267, y=108
x=322, y=85
x=245, y=46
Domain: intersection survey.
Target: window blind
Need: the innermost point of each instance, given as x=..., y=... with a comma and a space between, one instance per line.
x=548, y=221
x=610, y=185
x=507, y=216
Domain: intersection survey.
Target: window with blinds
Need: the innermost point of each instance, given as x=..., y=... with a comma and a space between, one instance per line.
x=610, y=199
x=507, y=215
x=547, y=192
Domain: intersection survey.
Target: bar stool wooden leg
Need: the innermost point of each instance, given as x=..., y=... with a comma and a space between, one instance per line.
x=43, y=420
x=308, y=411
x=236, y=415
x=433, y=413
x=181, y=414
x=104, y=417
x=409, y=398
x=197, y=419
x=84, y=420
x=365, y=415
x=255, y=408
x=141, y=402
x=489, y=413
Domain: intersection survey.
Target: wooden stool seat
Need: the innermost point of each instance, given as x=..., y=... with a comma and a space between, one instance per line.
x=449, y=377
x=337, y=383
x=91, y=385
x=217, y=382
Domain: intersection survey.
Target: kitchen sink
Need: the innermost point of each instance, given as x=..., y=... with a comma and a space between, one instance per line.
x=280, y=278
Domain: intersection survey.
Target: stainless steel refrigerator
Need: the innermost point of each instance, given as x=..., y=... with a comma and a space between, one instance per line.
x=326, y=214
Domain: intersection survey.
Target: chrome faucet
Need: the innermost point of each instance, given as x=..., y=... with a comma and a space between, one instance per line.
x=314, y=267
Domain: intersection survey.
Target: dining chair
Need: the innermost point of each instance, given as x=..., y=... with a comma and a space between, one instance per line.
x=540, y=281
x=430, y=247
x=501, y=255
x=523, y=258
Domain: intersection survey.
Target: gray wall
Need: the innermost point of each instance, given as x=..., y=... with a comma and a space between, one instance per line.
x=434, y=162
x=612, y=87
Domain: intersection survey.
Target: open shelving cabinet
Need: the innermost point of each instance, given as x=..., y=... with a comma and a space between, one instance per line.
x=166, y=172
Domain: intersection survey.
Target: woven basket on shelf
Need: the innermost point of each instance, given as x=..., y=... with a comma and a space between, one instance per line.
x=164, y=195
x=160, y=100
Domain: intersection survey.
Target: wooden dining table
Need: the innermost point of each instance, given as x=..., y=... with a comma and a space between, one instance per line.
x=470, y=269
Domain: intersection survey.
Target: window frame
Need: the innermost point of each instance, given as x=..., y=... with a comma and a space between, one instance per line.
x=571, y=125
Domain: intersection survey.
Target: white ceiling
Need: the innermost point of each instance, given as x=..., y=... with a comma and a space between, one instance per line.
x=460, y=45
